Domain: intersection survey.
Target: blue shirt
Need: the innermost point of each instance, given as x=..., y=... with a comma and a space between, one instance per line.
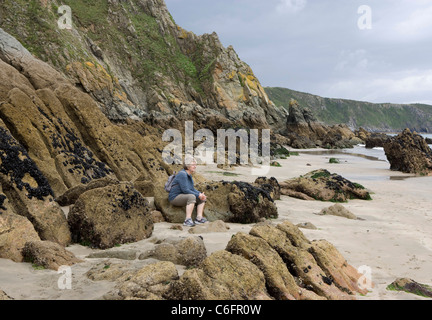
x=182, y=184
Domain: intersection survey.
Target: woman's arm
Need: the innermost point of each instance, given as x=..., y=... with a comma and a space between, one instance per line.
x=185, y=187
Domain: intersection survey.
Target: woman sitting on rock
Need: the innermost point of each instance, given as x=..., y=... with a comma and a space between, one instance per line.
x=183, y=193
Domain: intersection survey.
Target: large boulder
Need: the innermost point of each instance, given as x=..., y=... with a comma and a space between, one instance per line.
x=309, y=274
x=322, y=185
x=72, y=194
x=221, y=276
x=189, y=252
x=237, y=202
x=280, y=283
x=408, y=152
x=336, y=267
x=149, y=283
x=15, y=231
x=375, y=139
x=112, y=215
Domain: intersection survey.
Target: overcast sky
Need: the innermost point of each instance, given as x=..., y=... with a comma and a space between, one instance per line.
x=332, y=48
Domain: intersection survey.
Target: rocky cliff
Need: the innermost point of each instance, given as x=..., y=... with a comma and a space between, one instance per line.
x=137, y=63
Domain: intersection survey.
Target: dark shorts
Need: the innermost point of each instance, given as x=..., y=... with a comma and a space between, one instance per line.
x=185, y=199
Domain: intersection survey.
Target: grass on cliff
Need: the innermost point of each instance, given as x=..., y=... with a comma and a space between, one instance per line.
x=147, y=52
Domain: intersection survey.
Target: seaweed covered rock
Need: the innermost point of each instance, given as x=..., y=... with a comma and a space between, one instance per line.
x=115, y=214
x=63, y=128
x=408, y=152
x=28, y=191
x=271, y=185
x=250, y=204
x=322, y=185
x=411, y=286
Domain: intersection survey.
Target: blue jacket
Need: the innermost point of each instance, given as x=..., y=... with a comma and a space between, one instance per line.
x=182, y=184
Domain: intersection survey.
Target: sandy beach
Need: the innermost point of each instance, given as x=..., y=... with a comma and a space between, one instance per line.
x=393, y=238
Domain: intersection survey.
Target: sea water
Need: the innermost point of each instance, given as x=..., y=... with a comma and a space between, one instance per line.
x=373, y=154
x=377, y=152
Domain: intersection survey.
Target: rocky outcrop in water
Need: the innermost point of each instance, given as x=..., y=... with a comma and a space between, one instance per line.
x=376, y=140
x=305, y=131
x=408, y=152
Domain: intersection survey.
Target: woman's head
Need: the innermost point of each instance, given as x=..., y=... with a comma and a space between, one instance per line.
x=189, y=163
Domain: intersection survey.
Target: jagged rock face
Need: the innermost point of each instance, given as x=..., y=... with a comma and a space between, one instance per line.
x=65, y=133
x=306, y=132
x=409, y=152
x=139, y=64
x=26, y=191
x=376, y=140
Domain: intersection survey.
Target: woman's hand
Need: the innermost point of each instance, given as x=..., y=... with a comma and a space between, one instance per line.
x=202, y=197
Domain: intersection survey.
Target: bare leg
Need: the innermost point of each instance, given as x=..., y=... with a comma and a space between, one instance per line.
x=189, y=210
x=200, y=210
